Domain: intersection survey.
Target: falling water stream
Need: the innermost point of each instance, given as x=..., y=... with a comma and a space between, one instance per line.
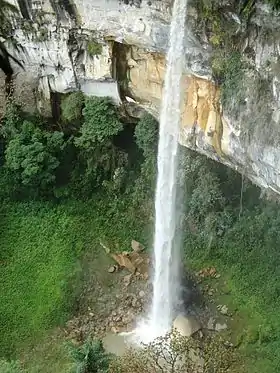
x=166, y=254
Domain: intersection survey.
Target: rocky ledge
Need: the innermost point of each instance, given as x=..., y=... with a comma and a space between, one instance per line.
x=117, y=48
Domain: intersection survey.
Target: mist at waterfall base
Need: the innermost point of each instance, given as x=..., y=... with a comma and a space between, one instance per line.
x=166, y=281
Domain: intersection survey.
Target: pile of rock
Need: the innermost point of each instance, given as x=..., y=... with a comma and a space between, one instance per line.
x=209, y=272
x=117, y=312
x=136, y=261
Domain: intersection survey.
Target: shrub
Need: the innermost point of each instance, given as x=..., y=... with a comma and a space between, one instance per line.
x=146, y=134
x=12, y=121
x=94, y=48
x=72, y=106
x=146, y=137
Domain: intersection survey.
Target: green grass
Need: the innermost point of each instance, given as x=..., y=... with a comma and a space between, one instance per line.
x=41, y=244
x=248, y=257
x=39, y=251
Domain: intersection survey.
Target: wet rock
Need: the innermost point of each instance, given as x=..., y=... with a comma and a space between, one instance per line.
x=220, y=327
x=146, y=276
x=127, y=280
x=136, y=303
x=186, y=325
x=211, y=324
x=223, y=309
x=114, y=330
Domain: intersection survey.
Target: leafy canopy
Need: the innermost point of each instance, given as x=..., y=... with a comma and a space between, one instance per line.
x=90, y=357
x=146, y=134
x=32, y=155
x=100, y=122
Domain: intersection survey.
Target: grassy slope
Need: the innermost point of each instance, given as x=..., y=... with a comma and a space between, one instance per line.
x=39, y=254
x=41, y=244
x=248, y=257
x=40, y=247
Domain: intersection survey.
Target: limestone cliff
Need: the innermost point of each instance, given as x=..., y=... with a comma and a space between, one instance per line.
x=117, y=48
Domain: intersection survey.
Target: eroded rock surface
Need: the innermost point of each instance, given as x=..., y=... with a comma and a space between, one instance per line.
x=107, y=47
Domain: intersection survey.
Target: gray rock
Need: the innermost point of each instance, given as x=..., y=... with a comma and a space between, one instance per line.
x=112, y=269
x=211, y=323
x=220, y=327
x=186, y=325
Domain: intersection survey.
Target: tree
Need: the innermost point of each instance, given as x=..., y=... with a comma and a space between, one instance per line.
x=31, y=155
x=101, y=122
x=97, y=151
x=90, y=357
x=174, y=353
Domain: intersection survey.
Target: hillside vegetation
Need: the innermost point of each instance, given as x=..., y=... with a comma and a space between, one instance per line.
x=66, y=186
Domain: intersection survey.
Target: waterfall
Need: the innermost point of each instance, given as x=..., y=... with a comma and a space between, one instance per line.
x=166, y=254
x=166, y=282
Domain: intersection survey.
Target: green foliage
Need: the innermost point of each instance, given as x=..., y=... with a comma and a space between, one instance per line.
x=243, y=244
x=12, y=121
x=40, y=247
x=94, y=48
x=40, y=244
x=99, y=157
x=71, y=107
x=233, y=75
x=146, y=137
x=206, y=197
x=101, y=122
x=225, y=37
x=274, y=3
x=146, y=134
x=32, y=155
x=10, y=367
x=90, y=357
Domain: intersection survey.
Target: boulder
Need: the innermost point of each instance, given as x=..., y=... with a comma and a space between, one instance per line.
x=223, y=309
x=136, y=246
x=211, y=324
x=220, y=327
x=124, y=261
x=112, y=269
x=186, y=325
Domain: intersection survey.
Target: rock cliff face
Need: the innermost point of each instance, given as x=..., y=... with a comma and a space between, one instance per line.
x=117, y=48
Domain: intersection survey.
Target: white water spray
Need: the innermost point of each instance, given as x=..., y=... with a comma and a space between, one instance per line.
x=166, y=254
